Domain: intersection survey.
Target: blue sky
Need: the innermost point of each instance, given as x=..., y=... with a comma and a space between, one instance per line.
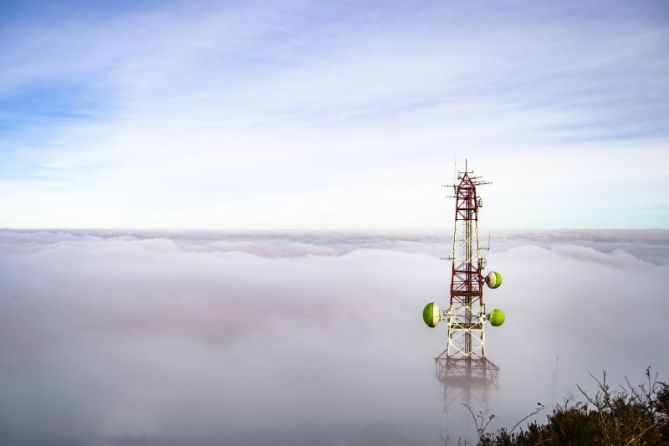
x=303, y=114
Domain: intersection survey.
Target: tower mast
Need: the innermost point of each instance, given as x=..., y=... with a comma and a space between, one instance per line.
x=466, y=314
x=463, y=366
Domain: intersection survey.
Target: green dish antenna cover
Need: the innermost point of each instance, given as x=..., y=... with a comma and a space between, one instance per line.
x=493, y=279
x=431, y=314
x=497, y=317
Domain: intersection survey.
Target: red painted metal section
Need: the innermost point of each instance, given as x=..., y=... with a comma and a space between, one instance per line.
x=467, y=372
x=466, y=280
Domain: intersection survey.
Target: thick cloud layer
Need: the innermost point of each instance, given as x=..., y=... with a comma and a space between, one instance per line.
x=300, y=338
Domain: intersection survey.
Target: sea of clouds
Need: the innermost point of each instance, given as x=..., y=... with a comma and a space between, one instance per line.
x=203, y=338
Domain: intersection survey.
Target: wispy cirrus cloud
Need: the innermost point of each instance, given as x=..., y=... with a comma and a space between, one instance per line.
x=290, y=110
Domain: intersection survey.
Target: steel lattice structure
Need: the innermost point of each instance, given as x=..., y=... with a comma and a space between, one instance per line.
x=466, y=314
x=462, y=367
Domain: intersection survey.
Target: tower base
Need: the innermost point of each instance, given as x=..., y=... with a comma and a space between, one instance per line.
x=466, y=378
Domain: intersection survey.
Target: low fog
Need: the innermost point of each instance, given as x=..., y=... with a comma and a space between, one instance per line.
x=147, y=338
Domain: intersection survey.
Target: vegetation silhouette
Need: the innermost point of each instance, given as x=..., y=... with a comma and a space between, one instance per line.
x=626, y=416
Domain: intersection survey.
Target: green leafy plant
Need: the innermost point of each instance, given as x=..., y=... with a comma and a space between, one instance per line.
x=625, y=416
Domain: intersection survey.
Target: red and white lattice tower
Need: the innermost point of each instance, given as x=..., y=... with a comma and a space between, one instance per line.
x=463, y=366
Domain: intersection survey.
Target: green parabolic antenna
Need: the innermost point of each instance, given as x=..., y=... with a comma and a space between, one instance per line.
x=431, y=314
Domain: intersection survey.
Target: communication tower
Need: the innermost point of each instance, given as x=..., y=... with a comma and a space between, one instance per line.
x=463, y=367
